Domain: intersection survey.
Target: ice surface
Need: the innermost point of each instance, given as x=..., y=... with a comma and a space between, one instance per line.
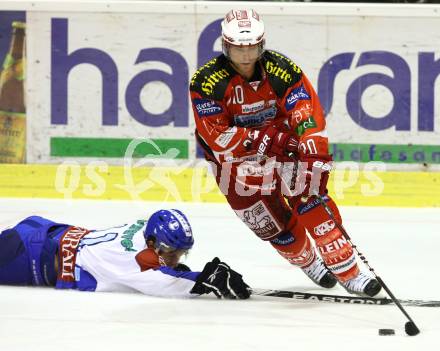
x=401, y=244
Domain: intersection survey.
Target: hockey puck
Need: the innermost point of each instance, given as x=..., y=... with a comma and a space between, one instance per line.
x=386, y=331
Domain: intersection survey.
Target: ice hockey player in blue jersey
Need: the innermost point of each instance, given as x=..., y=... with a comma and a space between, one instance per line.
x=140, y=256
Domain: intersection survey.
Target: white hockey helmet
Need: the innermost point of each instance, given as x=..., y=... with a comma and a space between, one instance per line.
x=242, y=28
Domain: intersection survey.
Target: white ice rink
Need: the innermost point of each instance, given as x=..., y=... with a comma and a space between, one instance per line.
x=401, y=244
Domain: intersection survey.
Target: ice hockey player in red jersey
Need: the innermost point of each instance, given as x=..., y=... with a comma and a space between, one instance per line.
x=263, y=131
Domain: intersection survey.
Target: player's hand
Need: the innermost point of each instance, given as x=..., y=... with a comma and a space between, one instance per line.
x=312, y=175
x=271, y=142
x=219, y=278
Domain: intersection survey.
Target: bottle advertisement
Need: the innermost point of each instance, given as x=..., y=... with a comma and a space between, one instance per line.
x=12, y=87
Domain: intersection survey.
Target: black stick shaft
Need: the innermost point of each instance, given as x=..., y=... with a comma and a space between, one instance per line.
x=362, y=257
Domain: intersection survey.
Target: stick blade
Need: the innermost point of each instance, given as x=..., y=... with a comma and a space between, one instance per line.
x=411, y=328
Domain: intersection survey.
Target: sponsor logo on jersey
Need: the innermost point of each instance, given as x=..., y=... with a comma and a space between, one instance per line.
x=286, y=60
x=69, y=243
x=209, y=81
x=251, y=137
x=310, y=205
x=334, y=250
x=273, y=69
x=303, y=112
x=284, y=239
x=324, y=228
x=263, y=145
x=257, y=106
x=206, y=108
x=255, y=169
x=296, y=95
x=304, y=125
x=250, y=158
x=127, y=236
x=249, y=108
x=304, y=259
x=279, y=69
x=341, y=267
x=224, y=138
x=255, y=118
x=336, y=245
x=259, y=219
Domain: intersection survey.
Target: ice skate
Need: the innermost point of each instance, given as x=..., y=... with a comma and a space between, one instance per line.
x=362, y=285
x=319, y=273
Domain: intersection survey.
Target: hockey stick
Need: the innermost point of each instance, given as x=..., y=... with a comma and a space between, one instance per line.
x=410, y=327
x=355, y=300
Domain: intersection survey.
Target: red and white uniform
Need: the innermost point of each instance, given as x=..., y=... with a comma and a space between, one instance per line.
x=227, y=108
x=229, y=111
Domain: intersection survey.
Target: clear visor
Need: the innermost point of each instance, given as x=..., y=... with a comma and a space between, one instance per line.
x=169, y=249
x=170, y=256
x=252, y=52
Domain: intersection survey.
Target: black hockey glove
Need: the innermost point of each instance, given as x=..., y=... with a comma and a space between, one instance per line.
x=219, y=278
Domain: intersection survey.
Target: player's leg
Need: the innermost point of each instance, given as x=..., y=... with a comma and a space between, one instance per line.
x=27, y=255
x=14, y=261
x=295, y=246
x=270, y=218
x=336, y=252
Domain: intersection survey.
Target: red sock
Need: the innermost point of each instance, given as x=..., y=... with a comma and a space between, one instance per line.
x=338, y=255
x=299, y=252
x=336, y=252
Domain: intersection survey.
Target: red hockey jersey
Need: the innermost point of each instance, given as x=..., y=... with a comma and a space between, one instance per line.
x=228, y=109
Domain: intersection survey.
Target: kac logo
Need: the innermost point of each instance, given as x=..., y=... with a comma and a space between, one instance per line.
x=295, y=95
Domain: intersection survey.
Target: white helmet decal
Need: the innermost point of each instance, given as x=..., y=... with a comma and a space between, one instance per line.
x=242, y=27
x=173, y=225
x=185, y=225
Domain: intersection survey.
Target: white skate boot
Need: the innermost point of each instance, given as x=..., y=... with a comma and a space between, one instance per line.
x=362, y=285
x=319, y=273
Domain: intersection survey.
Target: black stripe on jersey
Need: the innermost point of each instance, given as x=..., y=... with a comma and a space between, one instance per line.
x=211, y=80
x=281, y=71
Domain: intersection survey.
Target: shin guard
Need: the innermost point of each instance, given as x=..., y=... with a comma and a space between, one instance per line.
x=295, y=247
x=336, y=252
x=338, y=255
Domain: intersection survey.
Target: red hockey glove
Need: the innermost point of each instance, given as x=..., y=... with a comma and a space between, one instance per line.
x=271, y=142
x=312, y=174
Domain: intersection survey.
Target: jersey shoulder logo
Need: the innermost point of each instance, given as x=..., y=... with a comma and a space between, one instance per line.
x=207, y=107
x=294, y=96
x=211, y=80
x=281, y=71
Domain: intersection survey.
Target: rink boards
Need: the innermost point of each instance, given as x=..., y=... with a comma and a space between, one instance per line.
x=349, y=185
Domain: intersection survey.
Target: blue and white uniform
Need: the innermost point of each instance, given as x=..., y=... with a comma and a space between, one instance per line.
x=99, y=260
x=108, y=256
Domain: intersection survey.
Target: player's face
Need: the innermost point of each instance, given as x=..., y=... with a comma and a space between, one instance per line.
x=244, y=58
x=172, y=258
